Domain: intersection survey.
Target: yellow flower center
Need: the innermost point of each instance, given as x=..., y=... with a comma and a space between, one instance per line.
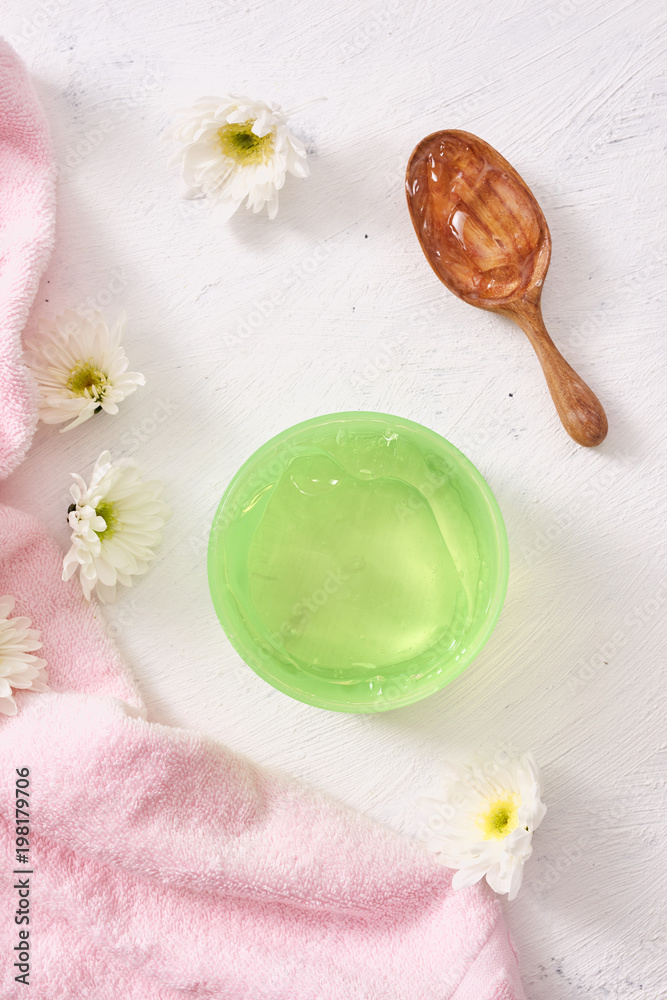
x=500, y=816
x=109, y=512
x=87, y=380
x=239, y=142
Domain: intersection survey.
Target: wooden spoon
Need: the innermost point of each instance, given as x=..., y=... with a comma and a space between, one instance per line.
x=486, y=238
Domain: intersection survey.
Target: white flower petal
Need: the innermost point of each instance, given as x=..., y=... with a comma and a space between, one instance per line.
x=481, y=822
x=114, y=546
x=230, y=176
x=466, y=877
x=19, y=669
x=79, y=367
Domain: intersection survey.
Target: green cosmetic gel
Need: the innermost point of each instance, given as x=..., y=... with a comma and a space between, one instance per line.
x=358, y=562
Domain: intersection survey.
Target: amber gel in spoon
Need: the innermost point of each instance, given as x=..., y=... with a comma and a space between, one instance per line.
x=484, y=234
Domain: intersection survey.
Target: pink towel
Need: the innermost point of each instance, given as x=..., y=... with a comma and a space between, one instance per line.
x=27, y=212
x=162, y=866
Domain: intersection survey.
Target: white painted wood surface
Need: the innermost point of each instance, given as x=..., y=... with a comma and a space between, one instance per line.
x=571, y=93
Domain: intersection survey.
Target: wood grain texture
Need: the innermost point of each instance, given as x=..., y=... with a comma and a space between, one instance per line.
x=573, y=95
x=485, y=236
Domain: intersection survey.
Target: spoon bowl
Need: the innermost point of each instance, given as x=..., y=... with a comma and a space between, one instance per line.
x=485, y=236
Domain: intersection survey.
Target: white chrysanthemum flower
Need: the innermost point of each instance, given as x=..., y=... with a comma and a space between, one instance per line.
x=80, y=367
x=483, y=821
x=19, y=669
x=116, y=525
x=235, y=149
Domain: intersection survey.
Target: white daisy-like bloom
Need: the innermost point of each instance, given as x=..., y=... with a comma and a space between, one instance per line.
x=19, y=669
x=235, y=150
x=116, y=526
x=483, y=819
x=80, y=367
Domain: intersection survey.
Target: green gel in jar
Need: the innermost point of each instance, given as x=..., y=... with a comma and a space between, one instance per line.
x=358, y=562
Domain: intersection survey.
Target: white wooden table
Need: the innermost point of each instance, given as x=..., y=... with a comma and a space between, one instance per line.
x=571, y=94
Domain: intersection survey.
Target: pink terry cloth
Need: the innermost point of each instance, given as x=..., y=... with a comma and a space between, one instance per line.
x=163, y=866
x=27, y=215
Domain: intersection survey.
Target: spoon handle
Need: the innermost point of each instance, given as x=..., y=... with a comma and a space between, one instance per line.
x=578, y=407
